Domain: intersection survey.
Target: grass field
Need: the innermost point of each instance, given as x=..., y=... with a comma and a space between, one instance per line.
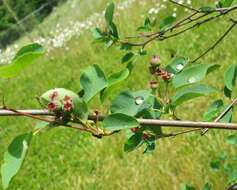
x=64, y=159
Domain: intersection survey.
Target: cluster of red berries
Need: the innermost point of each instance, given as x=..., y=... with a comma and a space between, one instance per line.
x=66, y=102
x=157, y=71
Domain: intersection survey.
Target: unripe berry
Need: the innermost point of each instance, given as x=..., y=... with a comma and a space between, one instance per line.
x=165, y=75
x=155, y=60
x=145, y=136
x=52, y=106
x=134, y=130
x=153, y=84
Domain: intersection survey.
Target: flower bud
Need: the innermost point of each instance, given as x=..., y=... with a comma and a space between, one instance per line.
x=53, y=95
x=145, y=136
x=165, y=75
x=153, y=84
x=155, y=59
x=134, y=130
x=67, y=106
x=52, y=106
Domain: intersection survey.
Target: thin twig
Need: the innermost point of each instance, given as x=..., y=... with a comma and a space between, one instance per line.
x=21, y=113
x=216, y=43
x=204, y=131
x=182, y=132
x=184, y=6
x=160, y=35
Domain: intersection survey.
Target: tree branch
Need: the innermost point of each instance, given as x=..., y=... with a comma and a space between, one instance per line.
x=216, y=43
x=184, y=6
x=160, y=35
x=204, y=131
x=151, y=122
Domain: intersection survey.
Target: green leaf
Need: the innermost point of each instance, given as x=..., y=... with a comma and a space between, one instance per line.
x=187, y=187
x=232, y=139
x=113, y=31
x=109, y=13
x=125, y=46
x=227, y=92
x=92, y=82
x=14, y=157
x=127, y=57
x=225, y=3
x=154, y=111
x=188, y=93
x=207, y=186
x=119, y=121
x=232, y=178
x=215, y=164
x=113, y=81
x=41, y=125
x=130, y=103
x=213, y=110
x=227, y=118
x=97, y=33
x=176, y=65
x=230, y=79
x=147, y=26
x=193, y=74
x=133, y=142
x=150, y=145
x=25, y=57
x=166, y=22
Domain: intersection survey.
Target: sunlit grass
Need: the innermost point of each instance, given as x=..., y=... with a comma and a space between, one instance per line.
x=64, y=159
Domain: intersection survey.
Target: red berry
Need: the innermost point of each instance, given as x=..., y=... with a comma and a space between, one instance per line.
x=67, y=106
x=134, y=130
x=52, y=106
x=53, y=95
x=165, y=75
x=145, y=136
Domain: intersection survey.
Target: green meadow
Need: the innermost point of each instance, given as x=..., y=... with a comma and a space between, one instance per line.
x=67, y=159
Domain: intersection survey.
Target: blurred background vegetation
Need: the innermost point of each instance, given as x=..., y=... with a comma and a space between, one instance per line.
x=20, y=16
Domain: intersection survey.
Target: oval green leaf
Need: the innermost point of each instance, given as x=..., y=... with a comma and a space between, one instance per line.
x=230, y=80
x=114, y=81
x=193, y=74
x=109, y=13
x=188, y=93
x=176, y=65
x=213, y=110
x=25, y=57
x=130, y=103
x=127, y=57
x=119, y=121
x=14, y=157
x=230, y=77
x=133, y=142
x=166, y=22
x=92, y=82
